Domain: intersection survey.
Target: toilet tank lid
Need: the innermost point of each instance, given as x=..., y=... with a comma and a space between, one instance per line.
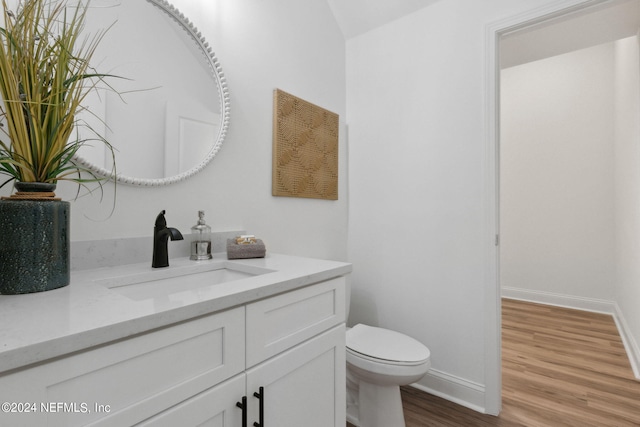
x=385, y=344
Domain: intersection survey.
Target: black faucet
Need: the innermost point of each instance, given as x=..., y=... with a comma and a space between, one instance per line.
x=161, y=235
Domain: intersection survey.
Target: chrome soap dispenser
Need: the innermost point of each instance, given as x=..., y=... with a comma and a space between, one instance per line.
x=200, y=239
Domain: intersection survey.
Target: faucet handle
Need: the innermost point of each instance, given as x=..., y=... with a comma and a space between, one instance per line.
x=161, y=222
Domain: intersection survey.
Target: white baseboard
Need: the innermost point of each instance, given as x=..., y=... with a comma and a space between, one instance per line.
x=456, y=389
x=630, y=344
x=586, y=304
x=352, y=420
x=560, y=300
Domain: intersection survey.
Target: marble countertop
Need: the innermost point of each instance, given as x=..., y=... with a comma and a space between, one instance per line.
x=40, y=326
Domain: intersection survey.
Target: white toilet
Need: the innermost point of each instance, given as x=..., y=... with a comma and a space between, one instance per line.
x=379, y=361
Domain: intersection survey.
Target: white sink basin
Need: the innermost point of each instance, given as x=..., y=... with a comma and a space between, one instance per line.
x=162, y=283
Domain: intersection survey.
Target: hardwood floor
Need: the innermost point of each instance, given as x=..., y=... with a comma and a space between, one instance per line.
x=560, y=367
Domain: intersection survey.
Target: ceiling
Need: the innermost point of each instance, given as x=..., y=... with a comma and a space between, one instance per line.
x=587, y=27
x=356, y=17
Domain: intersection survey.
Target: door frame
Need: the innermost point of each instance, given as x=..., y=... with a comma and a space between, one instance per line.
x=493, y=306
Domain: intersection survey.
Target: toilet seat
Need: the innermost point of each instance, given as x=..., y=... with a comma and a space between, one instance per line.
x=384, y=346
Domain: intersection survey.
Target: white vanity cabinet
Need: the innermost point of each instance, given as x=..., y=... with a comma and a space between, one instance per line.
x=128, y=381
x=289, y=346
x=295, y=358
x=303, y=386
x=296, y=353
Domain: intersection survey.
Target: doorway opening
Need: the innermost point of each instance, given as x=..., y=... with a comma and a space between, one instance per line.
x=550, y=32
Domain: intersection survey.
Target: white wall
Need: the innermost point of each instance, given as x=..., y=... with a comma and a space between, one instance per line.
x=262, y=45
x=416, y=112
x=627, y=194
x=557, y=223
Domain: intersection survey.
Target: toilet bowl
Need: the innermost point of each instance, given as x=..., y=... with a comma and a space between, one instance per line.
x=379, y=361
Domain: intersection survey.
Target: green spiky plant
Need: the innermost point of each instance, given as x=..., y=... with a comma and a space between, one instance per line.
x=45, y=74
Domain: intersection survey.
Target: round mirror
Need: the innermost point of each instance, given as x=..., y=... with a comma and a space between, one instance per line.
x=166, y=112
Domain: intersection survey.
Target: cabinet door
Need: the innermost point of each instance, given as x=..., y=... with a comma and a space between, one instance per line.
x=304, y=386
x=215, y=407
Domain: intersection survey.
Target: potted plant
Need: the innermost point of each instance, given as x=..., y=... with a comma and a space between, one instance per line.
x=45, y=74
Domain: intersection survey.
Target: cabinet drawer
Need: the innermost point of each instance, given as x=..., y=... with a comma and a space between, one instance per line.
x=130, y=380
x=278, y=323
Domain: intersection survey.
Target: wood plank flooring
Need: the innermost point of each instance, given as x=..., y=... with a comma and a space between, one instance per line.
x=560, y=367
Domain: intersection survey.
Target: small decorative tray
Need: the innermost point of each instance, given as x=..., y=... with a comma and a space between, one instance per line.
x=245, y=247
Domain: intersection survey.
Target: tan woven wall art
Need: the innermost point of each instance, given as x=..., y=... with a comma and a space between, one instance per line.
x=305, y=149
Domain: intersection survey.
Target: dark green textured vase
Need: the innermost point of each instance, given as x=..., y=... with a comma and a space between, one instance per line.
x=34, y=245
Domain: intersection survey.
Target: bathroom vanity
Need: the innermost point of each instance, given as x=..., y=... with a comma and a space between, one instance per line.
x=221, y=343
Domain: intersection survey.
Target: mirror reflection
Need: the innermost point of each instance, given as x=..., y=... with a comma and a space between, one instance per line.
x=166, y=115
